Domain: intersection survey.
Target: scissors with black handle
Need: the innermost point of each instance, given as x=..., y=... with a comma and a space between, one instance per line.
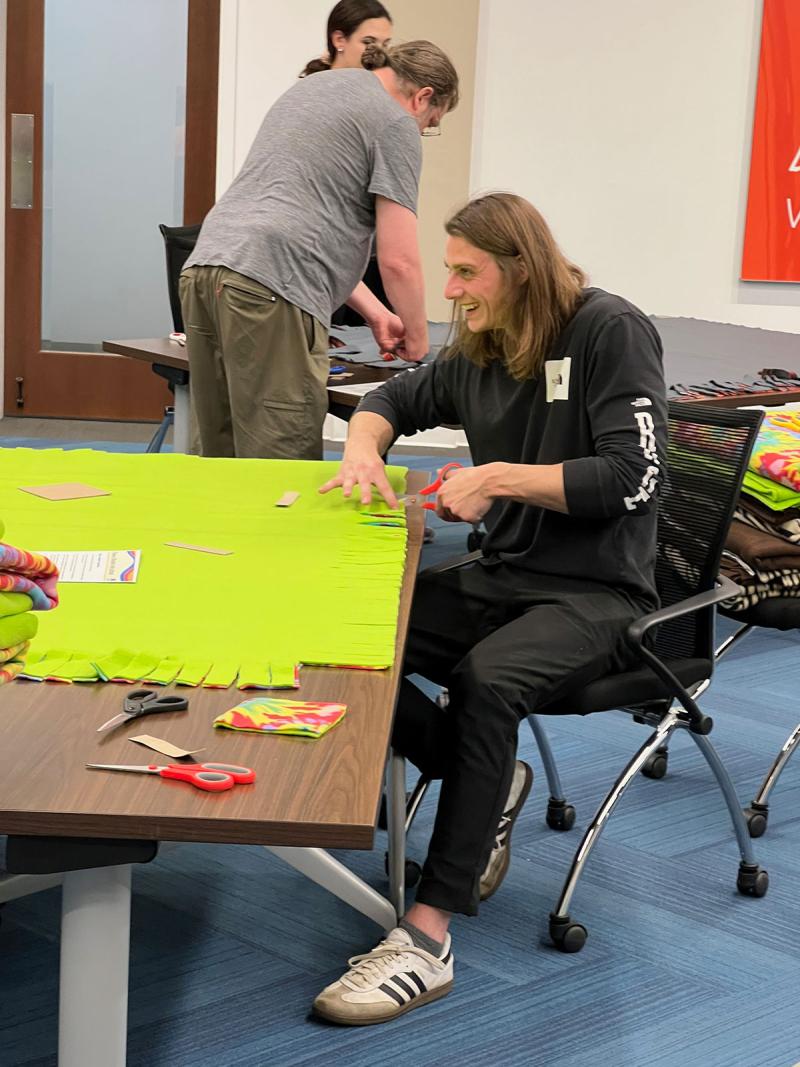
x=144, y=702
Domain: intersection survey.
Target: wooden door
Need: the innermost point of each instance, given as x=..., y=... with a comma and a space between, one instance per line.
x=88, y=385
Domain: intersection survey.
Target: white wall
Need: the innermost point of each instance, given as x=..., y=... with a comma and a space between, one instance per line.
x=628, y=123
x=264, y=44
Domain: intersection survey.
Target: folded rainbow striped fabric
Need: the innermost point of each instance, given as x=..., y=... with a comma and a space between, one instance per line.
x=273, y=715
x=776, y=453
x=12, y=661
x=31, y=573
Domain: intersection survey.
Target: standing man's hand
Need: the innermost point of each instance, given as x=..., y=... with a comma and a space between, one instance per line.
x=388, y=331
x=393, y=340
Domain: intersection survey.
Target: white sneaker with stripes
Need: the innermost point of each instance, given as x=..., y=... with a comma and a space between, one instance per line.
x=500, y=857
x=393, y=978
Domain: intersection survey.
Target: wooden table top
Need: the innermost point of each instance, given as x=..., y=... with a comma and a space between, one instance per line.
x=321, y=793
x=151, y=350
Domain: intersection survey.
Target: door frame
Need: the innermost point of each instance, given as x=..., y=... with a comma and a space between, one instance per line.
x=89, y=385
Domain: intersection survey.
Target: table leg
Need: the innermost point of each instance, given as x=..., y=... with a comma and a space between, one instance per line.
x=95, y=944
x=322, y=868
x=396, y=824
x=180, y=429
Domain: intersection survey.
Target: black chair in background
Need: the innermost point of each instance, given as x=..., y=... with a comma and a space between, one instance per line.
x=178, y=242
x=345, y=316
x=672, y=649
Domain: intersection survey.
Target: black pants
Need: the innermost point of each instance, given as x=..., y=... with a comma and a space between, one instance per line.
x=504, y=642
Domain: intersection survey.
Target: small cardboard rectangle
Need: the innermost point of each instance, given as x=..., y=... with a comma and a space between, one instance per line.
x=287, y=499
x=165, y=747
x=64, y=491
x=200, y=548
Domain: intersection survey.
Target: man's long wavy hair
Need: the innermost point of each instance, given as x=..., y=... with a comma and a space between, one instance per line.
x=513, y=232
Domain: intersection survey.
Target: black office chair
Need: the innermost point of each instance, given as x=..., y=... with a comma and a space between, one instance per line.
x=346, y=316
x=672, y=649
x=178, y=242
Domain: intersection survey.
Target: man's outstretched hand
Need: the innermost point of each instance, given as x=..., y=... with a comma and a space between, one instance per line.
x=365, y=470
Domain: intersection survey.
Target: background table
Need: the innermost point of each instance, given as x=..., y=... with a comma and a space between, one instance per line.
x=309, y=796
x=169, y=359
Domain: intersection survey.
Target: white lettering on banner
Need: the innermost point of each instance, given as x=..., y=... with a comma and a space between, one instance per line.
x=795, y=164
x=647, y=443
x=793, y=219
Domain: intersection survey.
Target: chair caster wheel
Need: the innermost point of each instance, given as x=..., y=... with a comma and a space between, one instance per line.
x=566, y=935
x=756, y=818
x=656, y=765
x=474, y=540
x=752, y=880
x=413, y=871
x=560, y=815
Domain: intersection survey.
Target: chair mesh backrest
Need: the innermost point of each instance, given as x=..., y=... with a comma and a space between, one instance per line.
x=179, y=242
x=707, y=457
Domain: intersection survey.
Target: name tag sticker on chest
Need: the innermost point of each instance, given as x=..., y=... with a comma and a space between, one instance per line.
x=556, y=373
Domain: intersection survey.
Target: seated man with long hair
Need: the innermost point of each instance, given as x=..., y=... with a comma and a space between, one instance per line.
x=560, y=390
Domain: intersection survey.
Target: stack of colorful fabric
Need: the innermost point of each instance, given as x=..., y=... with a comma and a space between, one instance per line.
x=28, y=583
x=765, y=533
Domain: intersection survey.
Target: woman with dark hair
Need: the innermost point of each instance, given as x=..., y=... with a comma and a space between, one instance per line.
x=353, y=25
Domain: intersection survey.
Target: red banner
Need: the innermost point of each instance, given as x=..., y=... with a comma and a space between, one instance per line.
x=772, y=230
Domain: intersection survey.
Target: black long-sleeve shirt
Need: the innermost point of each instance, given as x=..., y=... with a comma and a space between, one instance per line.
x=599, y=407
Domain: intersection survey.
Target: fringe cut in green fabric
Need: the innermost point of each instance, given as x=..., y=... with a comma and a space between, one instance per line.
x=314, y=583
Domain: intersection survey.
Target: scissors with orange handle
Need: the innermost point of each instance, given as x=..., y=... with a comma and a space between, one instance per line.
x=213, y=777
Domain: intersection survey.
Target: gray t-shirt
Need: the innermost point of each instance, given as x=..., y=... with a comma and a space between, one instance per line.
x=300, y=215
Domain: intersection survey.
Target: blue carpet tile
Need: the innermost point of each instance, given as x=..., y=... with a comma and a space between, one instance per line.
x=229, y=946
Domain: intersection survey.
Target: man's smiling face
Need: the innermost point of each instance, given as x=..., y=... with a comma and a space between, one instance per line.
x=476, y=284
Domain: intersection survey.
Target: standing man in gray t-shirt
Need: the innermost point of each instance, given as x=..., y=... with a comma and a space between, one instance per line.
x=335, y=162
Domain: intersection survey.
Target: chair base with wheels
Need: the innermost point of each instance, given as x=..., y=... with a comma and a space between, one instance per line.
x=779, y=613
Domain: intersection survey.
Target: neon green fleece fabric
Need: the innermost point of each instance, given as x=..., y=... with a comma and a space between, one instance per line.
x=314, y=583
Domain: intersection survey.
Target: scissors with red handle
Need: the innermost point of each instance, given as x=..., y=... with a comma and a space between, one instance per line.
x=213, y=777
x=434, y=487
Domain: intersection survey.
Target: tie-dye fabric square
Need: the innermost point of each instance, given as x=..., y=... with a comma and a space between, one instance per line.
x=272, y=715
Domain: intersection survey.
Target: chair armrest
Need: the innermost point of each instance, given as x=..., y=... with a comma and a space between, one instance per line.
x=725, y=589
x=453, y=564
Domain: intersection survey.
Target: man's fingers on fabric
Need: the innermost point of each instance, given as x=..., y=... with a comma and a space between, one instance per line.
x=388, y=494
x=332, y=483
x=365, y=485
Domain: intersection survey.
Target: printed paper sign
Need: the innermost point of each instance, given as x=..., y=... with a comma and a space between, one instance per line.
x=121, y=565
